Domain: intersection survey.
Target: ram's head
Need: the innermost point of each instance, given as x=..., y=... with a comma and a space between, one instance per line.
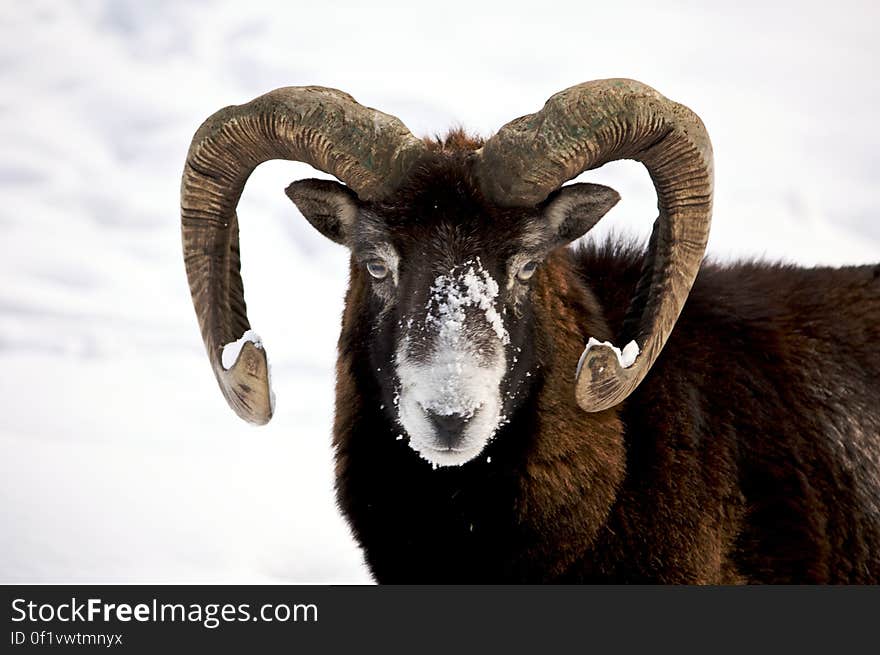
x=447, y=243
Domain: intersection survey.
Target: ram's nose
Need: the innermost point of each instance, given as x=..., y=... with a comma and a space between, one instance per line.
x=448, y=428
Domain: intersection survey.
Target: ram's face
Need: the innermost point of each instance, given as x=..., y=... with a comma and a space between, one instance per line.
x=450, y=282
x=451, y=359
x=450, y=285
x=451, y=306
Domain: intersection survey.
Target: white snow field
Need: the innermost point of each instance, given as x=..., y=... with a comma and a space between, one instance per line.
x=119, y=459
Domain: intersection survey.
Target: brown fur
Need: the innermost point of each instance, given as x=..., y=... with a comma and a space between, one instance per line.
x=456, y=140
x=748, y=454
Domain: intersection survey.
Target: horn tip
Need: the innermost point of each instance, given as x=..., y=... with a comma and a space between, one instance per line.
x=602, y=374
x=247, y=385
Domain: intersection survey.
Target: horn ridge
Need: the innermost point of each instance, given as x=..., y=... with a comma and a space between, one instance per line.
x=366, y=149
x=586, y=126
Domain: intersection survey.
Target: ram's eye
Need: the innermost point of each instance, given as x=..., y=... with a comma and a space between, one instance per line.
x=527, y=270
x=377, y=268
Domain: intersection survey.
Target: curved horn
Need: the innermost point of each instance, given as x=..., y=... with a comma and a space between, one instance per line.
x=364, y=148
x=582, y=128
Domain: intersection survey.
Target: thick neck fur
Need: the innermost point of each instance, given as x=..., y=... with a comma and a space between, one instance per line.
x=738, y=459
x=542, y=490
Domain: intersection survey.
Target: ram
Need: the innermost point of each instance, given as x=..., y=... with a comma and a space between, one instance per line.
x=486, y=428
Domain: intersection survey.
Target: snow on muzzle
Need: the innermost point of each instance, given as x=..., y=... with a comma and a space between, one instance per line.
x=450, y=365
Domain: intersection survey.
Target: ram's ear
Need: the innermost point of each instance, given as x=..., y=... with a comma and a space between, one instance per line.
x=329, y=206
x=574, y=209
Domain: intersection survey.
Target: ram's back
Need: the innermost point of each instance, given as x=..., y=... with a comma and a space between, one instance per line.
x=768, y=394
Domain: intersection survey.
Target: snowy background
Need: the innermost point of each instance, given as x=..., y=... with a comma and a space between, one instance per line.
x=119, y=460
